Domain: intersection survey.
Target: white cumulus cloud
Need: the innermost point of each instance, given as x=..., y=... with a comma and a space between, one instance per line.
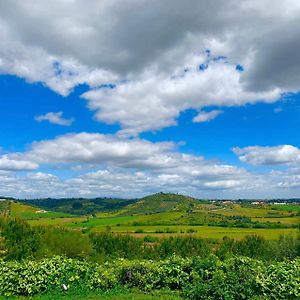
x=10, y=164
x=276, y=155
x=152, y=54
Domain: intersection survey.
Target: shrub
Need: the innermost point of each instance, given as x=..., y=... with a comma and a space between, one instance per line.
x=20, y=239
x=198, y=278
x=281, y=280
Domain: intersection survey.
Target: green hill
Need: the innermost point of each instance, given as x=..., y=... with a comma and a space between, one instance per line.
x=79, y=206
x=19, y=209
x=162, y=202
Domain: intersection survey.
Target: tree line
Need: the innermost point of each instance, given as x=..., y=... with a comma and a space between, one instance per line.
x=19, y=241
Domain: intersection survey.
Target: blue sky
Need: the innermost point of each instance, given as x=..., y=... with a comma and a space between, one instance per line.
x=91, y=107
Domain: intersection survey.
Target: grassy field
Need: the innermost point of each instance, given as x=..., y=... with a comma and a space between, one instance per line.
x=283, y=220
x=287, y=207
x=238, y=210
x=29, y=212
x=191, y=219
x=210, y=232
x=112, y=295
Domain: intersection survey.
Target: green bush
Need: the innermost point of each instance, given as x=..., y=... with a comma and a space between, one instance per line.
x=197, y=278
x=113, y=245
x=231, y=279
x=281, y=280
x=59, y=241
x=20, y=239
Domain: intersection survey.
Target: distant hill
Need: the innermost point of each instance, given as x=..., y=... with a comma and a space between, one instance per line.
x=80, y=206
x=162, y=202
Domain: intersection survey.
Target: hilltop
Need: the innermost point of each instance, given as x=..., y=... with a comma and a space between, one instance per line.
x=162, y=202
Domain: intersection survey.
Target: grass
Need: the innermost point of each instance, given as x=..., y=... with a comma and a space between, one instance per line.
x=287, y=207
x=111, y=295
x=25, y=211
x=4, y=205
x=238, y=210
x=210, y=232
x=178, y=223
x=283, y=220
x=162, y=202
x=172, y=222
x=56, y=221
x=113, y=220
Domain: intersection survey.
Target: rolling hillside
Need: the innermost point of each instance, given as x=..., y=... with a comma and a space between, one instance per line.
x=162, y=202
x=21, y=210
x=80, y=206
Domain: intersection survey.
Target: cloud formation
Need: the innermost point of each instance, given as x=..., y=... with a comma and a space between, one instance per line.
x=107, y=165
x=116, y=165
x=155, y=102
x=10, y=164
x=276, y=155
x=55, y=118
x=204, y=116
x=153, y=55
x=144, y=63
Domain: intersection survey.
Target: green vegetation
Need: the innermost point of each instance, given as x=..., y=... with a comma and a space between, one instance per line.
x=162, y=215
x=162, y=202
x=4, y=205
x=114, y=294
x=287, y=207
x=24, y=211
x=193, y=278
x=164, y=246
x=21, y=241
x=80, y=206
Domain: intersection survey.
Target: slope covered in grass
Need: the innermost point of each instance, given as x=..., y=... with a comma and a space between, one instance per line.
x=162, y=202
x=80, y=206
x=25, y=211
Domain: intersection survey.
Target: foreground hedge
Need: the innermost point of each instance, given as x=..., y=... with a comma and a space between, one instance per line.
x=197, y=278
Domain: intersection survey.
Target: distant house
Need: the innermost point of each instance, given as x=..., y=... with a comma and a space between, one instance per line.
x=42, y=211
x=227, y=202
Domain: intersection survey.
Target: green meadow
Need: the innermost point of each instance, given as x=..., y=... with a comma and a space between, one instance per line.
x=23, y=211
x=175, y=215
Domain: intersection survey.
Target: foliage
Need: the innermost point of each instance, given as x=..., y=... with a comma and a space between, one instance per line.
x=197, y=278
x=86, y=206
x=107, y=244
x=281, y=280
x=20, y=240
x=232, y=279
x=23, y=241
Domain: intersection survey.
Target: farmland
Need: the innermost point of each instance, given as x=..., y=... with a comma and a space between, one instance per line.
x=164, y=215
x=149, y=248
